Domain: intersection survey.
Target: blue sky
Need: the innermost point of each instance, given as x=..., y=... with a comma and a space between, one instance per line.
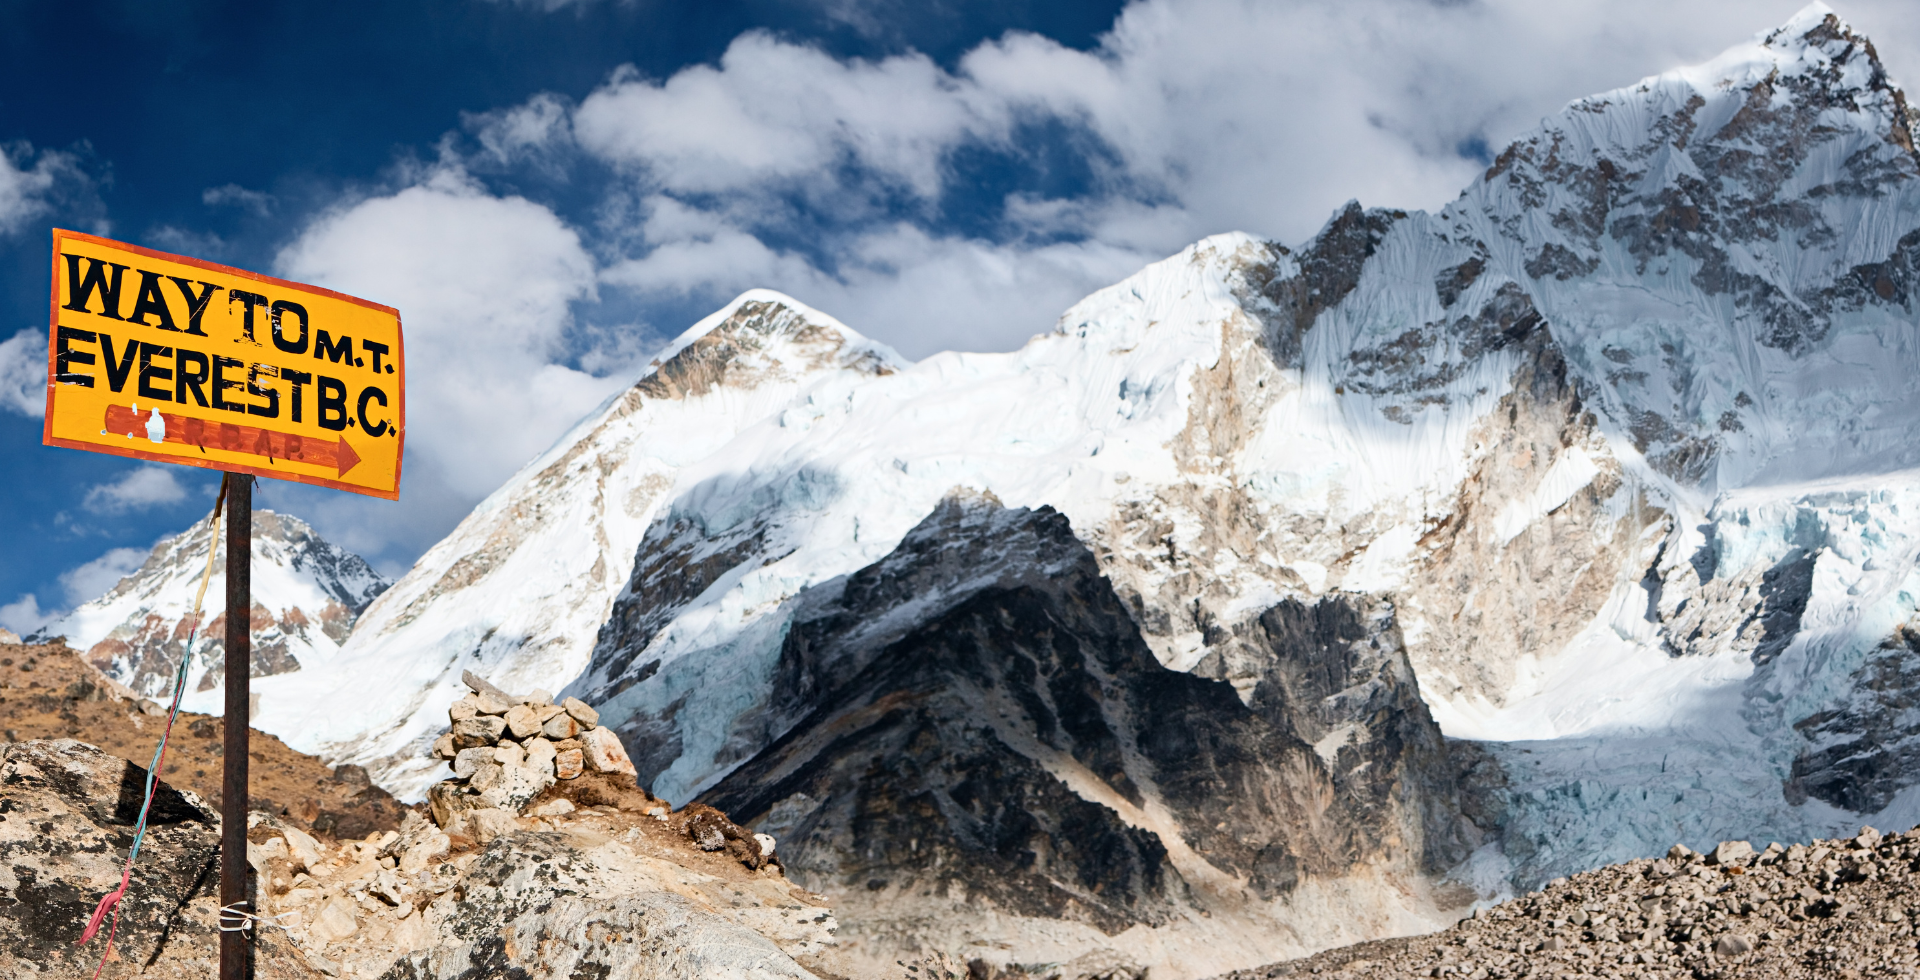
x=548, y=190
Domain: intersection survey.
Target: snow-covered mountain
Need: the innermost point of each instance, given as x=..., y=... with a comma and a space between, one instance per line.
x=520, y=588
x=1610, y=460
x=307, y=593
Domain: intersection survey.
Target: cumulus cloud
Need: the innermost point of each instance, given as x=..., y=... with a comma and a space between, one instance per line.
x=484, y=285
x=233, y=195
x=32, y=184
x=93, y=579
x=136, y=489
x=23, y=372
x=23, y=615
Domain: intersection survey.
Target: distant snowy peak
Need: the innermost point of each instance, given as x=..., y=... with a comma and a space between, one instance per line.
x=517, y=592
x=307, y=594
x=1728, y=254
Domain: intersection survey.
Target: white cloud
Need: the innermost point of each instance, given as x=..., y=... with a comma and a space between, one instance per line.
x=23, y=372
x=137, y=489
x=30, y=183
x=23, y=615
x=483, y=285
x=233, y=195
x=93, y=579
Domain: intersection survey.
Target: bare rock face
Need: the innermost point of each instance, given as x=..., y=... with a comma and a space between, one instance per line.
x=1014, y=753
x=67, y=813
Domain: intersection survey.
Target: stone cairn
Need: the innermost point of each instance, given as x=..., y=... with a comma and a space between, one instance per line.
x=505, y=749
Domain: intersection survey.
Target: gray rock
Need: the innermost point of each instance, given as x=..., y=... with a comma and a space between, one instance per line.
x=561, y=726
x=1731, y=852
x=468, y=760
x=532, y=907
x=513, y=787
x=1732, y=944
x=69, y=815
x=479, y=730
x=581, y=712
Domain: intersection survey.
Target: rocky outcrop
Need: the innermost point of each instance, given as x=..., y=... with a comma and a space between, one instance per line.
x=590, y=891
x=983, y=749
x=1826, y=908
x=67, y=815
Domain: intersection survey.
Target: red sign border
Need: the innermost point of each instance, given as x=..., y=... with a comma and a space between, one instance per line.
x=53, y=326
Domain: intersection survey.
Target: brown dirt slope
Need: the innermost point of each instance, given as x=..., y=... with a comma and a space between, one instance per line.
x=1829, y=909
x=50, y=691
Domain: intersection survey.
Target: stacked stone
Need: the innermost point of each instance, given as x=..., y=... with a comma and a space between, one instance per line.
x=505, y=749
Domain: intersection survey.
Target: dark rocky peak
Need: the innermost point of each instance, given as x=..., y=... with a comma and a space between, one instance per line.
x=979, y=720
x=1290, y=291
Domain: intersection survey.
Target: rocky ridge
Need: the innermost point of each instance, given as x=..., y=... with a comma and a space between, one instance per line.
x=1844, y=907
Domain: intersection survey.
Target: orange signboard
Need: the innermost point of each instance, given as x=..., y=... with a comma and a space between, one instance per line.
x=176, y=360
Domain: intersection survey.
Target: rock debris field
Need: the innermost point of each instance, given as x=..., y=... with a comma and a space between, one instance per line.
x=1832, y=908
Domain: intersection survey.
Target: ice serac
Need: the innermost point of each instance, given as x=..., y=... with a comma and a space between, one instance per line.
x=988, y=746
x=517, y=592
x=1622, y=437
x=307, y=594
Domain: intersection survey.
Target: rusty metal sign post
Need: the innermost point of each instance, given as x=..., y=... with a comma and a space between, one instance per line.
x=175, y=360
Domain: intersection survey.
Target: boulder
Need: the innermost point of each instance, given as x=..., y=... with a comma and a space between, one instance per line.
x=509, y=753
x=568, y=764
x=560, y=726
x=1731, y=852
x=540, y=753
x=513, y=787
x=581, y=712
x=467, y=760
x=69, y=815
x=484, y=824
x=478, y=730
x=602, y=751
x=447, y=800
x=523, y=721
x=302, y=850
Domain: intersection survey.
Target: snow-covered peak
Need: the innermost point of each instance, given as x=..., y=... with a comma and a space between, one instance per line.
x=1728, y=254
x=761, y=318
x=518, y=590
x=307, y=593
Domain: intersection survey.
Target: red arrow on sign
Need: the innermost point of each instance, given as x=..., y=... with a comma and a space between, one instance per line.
x=203, y=433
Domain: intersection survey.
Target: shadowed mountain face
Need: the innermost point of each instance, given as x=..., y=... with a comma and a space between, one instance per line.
x=978, y=721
